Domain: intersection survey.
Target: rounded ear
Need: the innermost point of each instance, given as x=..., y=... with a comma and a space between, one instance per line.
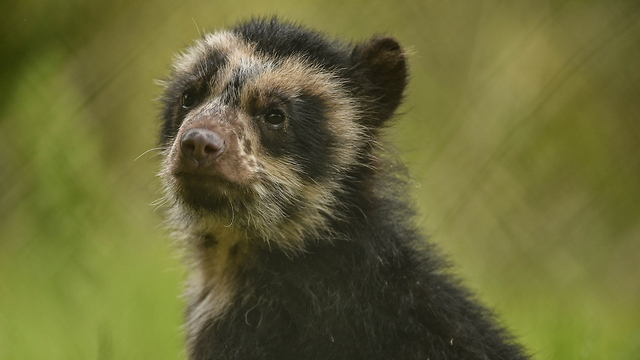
x=383, y=64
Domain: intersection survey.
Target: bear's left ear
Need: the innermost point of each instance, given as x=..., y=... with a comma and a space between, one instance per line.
x=383, y=65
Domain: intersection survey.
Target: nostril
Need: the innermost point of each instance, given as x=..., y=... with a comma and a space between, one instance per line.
x=211, y=149
x=188, y=146
x=202, y=145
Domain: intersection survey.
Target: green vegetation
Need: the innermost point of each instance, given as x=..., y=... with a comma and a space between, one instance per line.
x=521, y=132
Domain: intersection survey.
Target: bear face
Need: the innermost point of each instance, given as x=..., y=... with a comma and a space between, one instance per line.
x=263, y=124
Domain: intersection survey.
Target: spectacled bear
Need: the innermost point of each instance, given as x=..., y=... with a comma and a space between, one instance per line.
x=299, y=235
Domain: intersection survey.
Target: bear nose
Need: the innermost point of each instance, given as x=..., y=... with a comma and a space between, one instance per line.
x=202, y=145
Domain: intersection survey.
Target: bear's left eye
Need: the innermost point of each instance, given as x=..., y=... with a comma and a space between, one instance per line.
x=274, y=118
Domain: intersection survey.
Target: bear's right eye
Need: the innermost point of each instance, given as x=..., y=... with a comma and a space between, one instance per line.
x=190, y=98
x=275, y=118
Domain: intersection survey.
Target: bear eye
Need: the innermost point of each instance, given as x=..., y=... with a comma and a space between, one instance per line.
x=189, y=98
x=275, y=118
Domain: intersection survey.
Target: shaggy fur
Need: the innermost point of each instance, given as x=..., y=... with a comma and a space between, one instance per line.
x=300, y=239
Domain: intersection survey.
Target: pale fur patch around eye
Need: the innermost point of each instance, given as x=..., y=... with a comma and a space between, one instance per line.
x=294, y=77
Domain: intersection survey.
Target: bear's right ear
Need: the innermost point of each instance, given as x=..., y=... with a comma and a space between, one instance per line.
x=383, y=65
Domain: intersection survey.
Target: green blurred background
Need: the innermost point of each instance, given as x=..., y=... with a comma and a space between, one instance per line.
x=521, y=130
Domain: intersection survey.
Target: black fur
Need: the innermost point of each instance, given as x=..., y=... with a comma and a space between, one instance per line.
x=314, y=143
x=196, y=85
x=367, y=286
x=283, y=40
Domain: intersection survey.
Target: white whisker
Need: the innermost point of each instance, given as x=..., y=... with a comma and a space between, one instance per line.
x=141, y=155
x=232, y=215
x=159, y=202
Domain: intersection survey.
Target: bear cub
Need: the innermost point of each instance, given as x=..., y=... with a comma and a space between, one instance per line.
x=298, y=234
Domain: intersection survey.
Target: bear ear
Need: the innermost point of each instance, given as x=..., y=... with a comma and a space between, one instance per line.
x=383, y=65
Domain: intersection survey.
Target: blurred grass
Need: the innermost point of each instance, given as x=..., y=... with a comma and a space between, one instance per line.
x=521, y=130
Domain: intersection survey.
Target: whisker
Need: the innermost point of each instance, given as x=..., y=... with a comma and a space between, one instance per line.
x=159, y=203
x=154, y=149
x=197, y=28
x=232, y=215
